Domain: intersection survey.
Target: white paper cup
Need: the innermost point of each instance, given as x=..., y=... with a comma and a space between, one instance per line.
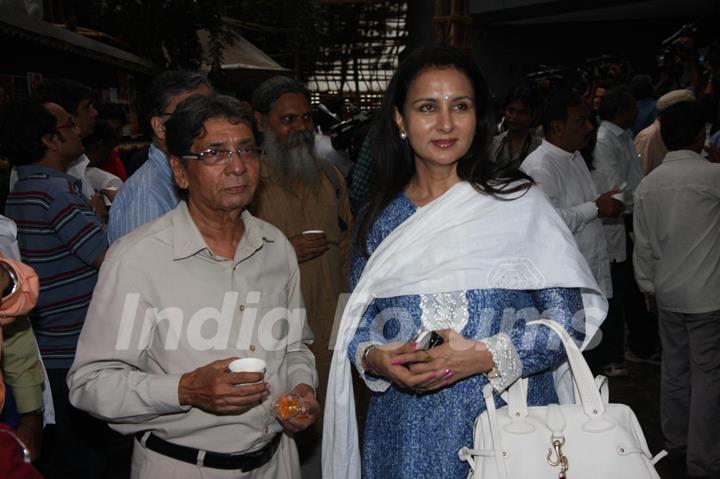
x=313, y=232
x=248, y=365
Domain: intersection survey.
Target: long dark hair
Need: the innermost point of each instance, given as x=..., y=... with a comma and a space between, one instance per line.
x=393, y=158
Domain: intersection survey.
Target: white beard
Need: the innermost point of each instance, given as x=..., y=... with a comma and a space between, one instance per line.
x=294, y=162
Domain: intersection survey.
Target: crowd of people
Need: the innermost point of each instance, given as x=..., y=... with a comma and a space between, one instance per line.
x=135, y=283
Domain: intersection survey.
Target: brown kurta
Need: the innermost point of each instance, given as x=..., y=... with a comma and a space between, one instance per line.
x=322, y=279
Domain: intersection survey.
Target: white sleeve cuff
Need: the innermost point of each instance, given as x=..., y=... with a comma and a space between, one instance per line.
x=508, y=366
x=374, y=383
x=588, y=211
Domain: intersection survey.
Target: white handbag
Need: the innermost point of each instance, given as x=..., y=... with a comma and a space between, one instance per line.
x=586, y=440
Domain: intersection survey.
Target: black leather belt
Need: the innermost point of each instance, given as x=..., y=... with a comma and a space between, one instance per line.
x=216, y=460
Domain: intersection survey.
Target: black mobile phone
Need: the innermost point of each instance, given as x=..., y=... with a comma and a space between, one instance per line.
x=425, y=339
x=435, y=340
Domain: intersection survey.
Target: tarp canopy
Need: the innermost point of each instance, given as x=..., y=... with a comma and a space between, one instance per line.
x=239, y=55
x=18, y=24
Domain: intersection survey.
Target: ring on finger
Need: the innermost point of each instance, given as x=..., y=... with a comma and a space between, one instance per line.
x=427, y=358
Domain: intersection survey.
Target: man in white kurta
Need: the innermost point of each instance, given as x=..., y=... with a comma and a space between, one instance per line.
x=617, y=159
x=618, y=165
x=560, y=171
x=565, y=180
x=562, y=174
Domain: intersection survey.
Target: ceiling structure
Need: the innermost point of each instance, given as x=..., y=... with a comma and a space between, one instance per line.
x=363, y=61
x=525, y=12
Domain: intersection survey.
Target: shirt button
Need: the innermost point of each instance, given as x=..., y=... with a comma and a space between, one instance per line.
x=252, y=348
x=242, y=307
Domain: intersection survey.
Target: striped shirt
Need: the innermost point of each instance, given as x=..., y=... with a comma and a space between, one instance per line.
x=60, y=236
x=147, y=195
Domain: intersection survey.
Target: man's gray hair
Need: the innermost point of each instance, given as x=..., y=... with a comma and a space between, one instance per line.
x=270, y=90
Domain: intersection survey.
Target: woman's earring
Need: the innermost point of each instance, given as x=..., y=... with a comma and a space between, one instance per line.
x=403, y=135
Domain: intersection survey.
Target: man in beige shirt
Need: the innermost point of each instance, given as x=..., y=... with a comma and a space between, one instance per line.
x=180, y=298
x=306, y=198
x=649, y=143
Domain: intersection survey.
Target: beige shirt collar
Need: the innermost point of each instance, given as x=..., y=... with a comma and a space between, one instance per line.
x=188, y=241
x=677, y=155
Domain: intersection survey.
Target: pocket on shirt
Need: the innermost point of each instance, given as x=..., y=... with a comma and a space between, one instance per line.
x=273, y=324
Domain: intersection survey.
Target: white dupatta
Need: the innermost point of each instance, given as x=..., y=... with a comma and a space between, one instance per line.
x=461, y=241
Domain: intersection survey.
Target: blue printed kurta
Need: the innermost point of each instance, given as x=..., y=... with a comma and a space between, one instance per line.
x=418, y=435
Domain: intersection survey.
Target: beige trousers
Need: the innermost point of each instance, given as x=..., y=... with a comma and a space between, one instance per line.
x=147, y=464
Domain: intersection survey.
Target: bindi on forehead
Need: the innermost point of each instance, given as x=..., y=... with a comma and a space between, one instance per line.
x=444, y=97
x=441, y=96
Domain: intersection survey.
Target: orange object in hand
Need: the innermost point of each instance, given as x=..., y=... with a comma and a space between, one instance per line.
x=290, y=406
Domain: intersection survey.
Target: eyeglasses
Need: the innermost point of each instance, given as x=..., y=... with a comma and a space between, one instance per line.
x=216, y=156
x=71, y=123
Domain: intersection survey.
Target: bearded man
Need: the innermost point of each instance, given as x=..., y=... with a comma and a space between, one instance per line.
x=306, y=198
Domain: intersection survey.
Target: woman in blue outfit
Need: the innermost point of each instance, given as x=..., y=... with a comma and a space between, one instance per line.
x=449, y=243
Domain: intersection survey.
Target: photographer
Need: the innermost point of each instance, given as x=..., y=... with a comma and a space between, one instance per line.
x=678, y=61
x=327, y=145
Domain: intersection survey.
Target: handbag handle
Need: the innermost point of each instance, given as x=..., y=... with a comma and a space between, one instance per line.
x=495, y=431
x=589, y=396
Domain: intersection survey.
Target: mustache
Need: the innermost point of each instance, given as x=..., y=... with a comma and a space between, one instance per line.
x=300, y=138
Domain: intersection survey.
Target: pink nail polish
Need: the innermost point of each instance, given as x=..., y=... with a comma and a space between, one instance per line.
x=395, y=362
x=413, y=345
x=448, y=374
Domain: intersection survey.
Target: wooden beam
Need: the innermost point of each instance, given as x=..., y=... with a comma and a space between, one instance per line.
x=453, y=19
x=347, y=2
